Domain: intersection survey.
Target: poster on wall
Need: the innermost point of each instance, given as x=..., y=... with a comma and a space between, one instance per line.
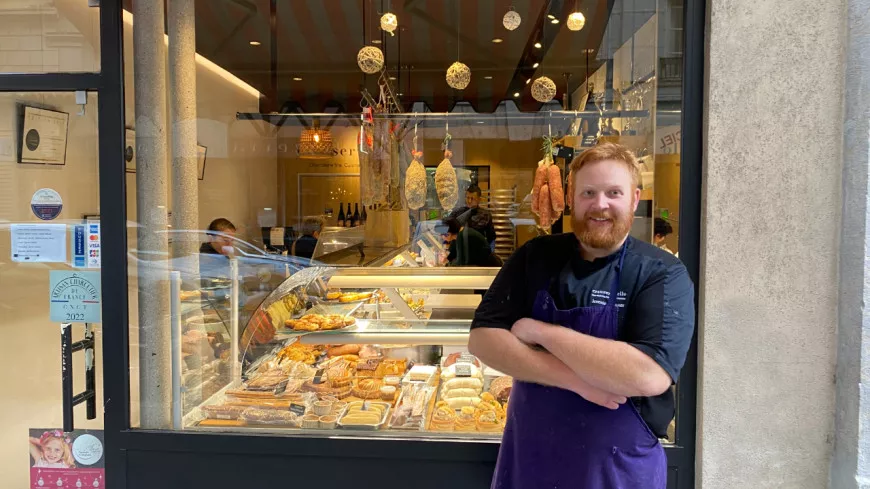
x=130, y=150
x=46, y=204
x=73, y=460
x=38, y=243
x=74, y=296
x=43, y=136
x=200, y=161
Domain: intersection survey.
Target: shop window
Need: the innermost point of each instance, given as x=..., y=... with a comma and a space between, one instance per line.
x=335, y=285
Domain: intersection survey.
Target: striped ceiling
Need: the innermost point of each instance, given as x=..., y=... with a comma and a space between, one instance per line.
x=317, y=41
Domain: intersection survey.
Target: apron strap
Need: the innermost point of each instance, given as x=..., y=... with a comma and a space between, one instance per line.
x=614, y=286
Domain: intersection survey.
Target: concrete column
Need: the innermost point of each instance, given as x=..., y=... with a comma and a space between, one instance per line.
x=149, y=52
x=850, y=468
x=182, y=97
x=770, y=248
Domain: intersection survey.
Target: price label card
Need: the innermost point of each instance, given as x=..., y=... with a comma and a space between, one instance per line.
x=318, y=377
x=297, y=409
x=463, y=370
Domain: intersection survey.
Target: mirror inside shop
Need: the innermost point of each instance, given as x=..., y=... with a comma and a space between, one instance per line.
x=360, y=193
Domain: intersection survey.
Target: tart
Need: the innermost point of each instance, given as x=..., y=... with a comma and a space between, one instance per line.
x=311, y=421
x=367, y=388
x=388, y=392
x=322, y=408
x=488, y=422
x=465, y=420
x=500, y=388
x=328, y=422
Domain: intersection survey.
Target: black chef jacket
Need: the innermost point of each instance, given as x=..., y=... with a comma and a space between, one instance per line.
x=655, y=301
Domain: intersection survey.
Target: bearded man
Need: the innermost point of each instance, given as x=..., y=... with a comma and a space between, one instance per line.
x=594, y=327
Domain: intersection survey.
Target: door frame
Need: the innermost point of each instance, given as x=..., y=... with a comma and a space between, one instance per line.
x=120, y=439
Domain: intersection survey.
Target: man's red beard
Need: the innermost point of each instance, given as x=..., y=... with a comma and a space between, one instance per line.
x=602, y=236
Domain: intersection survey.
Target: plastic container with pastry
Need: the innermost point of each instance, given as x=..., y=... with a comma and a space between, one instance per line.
x=271, y=417
x=328, y=422
x=310, y=421
x=412, y=407
x=461, y=357
x=322, y=408
x=421, y=373
x=223, y=411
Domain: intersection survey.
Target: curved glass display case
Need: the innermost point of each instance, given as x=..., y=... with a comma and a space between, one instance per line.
x=364, y=352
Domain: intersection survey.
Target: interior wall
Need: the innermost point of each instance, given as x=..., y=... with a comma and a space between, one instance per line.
x=771, y=226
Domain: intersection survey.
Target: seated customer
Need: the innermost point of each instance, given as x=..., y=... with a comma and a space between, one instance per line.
x=304, y=245
x=220, y=238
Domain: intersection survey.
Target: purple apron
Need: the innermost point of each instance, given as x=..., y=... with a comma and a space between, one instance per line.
x=555, y=439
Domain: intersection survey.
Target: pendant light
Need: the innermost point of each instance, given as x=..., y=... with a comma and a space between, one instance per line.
x=389, y=22
x=315, y=143
x=370, y=58
x=543, y=88
x=576, y=20
x=511, y=19
x=458, y=74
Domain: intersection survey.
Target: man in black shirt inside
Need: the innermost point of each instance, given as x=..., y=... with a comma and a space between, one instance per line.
x=594, y=327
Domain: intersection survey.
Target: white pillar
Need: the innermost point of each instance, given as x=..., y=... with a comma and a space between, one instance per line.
x=182, y=90
x=149, y=53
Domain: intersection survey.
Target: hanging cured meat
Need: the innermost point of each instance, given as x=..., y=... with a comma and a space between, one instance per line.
x=415, y=183
x=380, y=162
x=557, y=194
x=446, y=184
x=540, y=179
x=366, y=145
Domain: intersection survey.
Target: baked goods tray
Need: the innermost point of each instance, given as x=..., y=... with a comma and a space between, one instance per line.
x=366, y=427
x=327, y=308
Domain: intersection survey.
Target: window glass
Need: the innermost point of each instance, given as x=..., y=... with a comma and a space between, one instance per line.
x=326, y=184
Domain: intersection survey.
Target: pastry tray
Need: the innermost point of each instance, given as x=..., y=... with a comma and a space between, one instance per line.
x=367, y=427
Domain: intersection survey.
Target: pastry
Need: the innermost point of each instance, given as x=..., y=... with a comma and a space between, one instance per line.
x=443, y=418
x=300, y=325
x=392, y=380
x=339, y=407
x=328, y=422
x=454, y=393
x=461, y=402
x=455, y=357
x=322, y=408
x=331, y=296
x=270, y=416
x=500, y=388
x=367, y=388
x=310, y=421
x=392, y=366
x=388, y=393
x=337, y=351
x=373, y=413
x=422, y=373
x=463, y=383
x=465, y=420
x=488, y=422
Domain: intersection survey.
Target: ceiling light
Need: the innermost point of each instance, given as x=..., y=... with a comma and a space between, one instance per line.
x=315, y=143
x=296, y=78
x=551, y=16
x=392, y=78
x=487, y=77
x=480, y=122
x=376, y=41
x=554, y=21
x=528, y=81
x=536, y=65
x=516, y=94
x=538, y=45
x=576, y=21
x=254, y=43
x=496, y=40
x=389, y=23
x=511, y=19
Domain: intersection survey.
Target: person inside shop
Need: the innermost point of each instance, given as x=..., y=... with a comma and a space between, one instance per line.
x=220, y=238
x=594, y=327
x=661, y=230
x=467, y=247
x=478, y=218
x=304, y=245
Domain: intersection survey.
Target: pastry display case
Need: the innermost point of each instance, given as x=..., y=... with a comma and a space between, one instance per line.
x=363, y=352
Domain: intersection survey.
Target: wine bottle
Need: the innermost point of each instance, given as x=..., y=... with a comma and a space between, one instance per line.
x=356, y=216
x=363, y=217
x=341, y=218
x=348, y=222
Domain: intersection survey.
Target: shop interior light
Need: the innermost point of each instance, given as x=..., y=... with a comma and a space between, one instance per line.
x=516, y=94
x=528, y=81
x=376, y=41
x=389, y=23
x=511, y=19
x=315, y=143
x=536, y=65
x=551, y=16
x=254, y=43
x=497, y=40
x=554, y=21
x=296, y=78
x=487, y=77
x=538, y=45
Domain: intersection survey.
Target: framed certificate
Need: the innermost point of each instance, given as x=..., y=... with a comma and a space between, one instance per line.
x=130, y=150
x=43, y=136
